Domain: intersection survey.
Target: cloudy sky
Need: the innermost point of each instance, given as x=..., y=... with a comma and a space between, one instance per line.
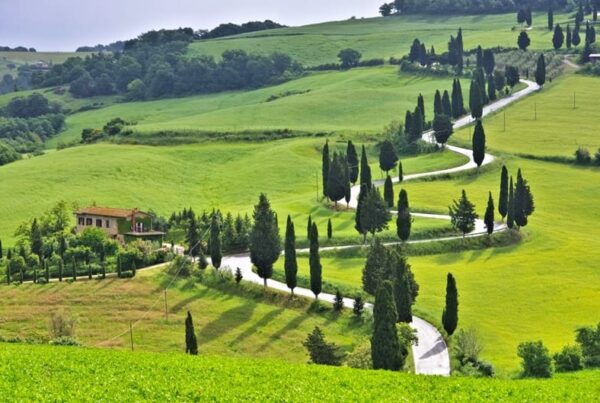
x=66, y=24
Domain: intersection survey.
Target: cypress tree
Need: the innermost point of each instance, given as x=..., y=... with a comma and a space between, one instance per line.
x=489, y=62
x=374, y=271
x=365, y=169
x=416, y=126
x=61, y=266
x=523, y=201
x=8, y=254
x=569, y=37
x=446, y=104
x=400, y=172
x=408, y=125
x=558, y=38
x=479, y=76
x=463, y=214
x=479, y=144
x=265, y=242
x=385, y=345
x=388, y=192
x=35, y=239
x=491, y=88
x=215, y=242
x=421, y=105
x=460, y=48
x=374, y=214
x=357, y=214
x=475, y=100
x=460, y=98
x=442, y=128
x=437, y=103
x=191, y=343
x=348, y=193
x=489, y=216
x=503, y=199
x=540, y=71
x=325, y=168
x=457, y=107
x=47, y=271
x=316, y=270
x=338, y=301
x=329, y=229
x=352, y=162
x=550, y=19
x=424, y=57
x=587, y=51
x=479, y=57
x=193, y=236
x=34, y=274
x=575, y=38
x=119, y=269
x=338, y=179
x=309, y=228
x=8, y=267
x=404, y=219
x=62, y=247
x=387, y=156
x=510, y=217
x=450, y=314
x=359, y=306
x=402, y=286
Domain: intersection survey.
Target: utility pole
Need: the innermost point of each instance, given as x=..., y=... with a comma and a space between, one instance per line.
x=131, y=334
x=166, y=307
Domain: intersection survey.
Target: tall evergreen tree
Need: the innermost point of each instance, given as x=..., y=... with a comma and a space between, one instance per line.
x=35, y=240
x=523, y=201
x=437, y=103
x=385, y=345
x=309, y=228
x=489, y=216
x=503, y=199
x=479, y=143
x=475, y=100
x=402, y=286
x=569, y=37
x=191, y=343
x=510, y=216
x=417, y=125
x=442, y=128
x=400, y=172
x=215, y=242
x=375, y=270
x=388, y=192
x=374, y=214
x=352, y=162
x=338, y=178
x=404, y=219
x=193, y=236
x=61, y=267
x=450, y=314
x=489, y=62
x=550, y=19
x=325, y=168
x=491, y=88
x=265, y=242
x=458, y=108
x=479, y=57
x=329, y=229
x=586, y=53
x=463, y=215
x=357, y=214
x=540, y=71
x=446, y=104
x=365, y=170
x=408, y=118
x=479, y=76
x=421, y=105
x=316, y=270
x=558, y=38
x=575, y=37
x=291, y=263
x=387, y=156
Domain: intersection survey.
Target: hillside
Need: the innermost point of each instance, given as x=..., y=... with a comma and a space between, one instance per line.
x=91, y=375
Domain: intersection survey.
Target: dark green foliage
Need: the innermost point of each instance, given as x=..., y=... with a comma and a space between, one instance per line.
x=193, y=236
x=489, y=216
x=265, y=242
x=536, y=360
x=510, y=215
x=309, y=227
x=387, y=156
x=499, y=80
x=215, y=242
x=234, y=29
x=437, y=103
x=352, y=162
x=375, y=268
x=329, y=230
x=191, y=343
x=404, y=219
x=365, y=170
x=338, y=301
x=479, y=143
x=586, y=53
x=569, y=37
x=1, y=252
x=575, y=37
x=400, y=172
x=489, y=62
x=421, y=105
x=337, y=178
x=450, y=314
x=446, y=104
x=238, y=275
x=373, y=213
x=325, y=168
x=316, y=270
x=290, y=261
x=321, y=352
x=388, y=192
x=463, y=214
x=359, y=306
x=357, y=220
x=36, y=242
x=550, y=19
x=8, y=154
x=479, y=57
x=512, y=76
x=503, y=199
x=523, y=201
x=349, y=58
x=558, y=38
x=491, y=85
x=589, y=340
x=475, y=100
x=442, y=128
x=540, y=71
x=404, y=285
x=385, y=345
x=569, y=359
x=523, y=41
x=458, y=108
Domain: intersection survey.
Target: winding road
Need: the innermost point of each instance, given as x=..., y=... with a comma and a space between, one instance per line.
x=431, y=353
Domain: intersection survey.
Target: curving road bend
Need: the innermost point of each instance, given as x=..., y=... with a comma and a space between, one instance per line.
x=431, y=353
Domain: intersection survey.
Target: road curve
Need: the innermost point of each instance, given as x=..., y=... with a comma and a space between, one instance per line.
x=431, y=353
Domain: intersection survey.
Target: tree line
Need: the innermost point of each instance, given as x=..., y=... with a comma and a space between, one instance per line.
x=234, y=29
x=401, y=7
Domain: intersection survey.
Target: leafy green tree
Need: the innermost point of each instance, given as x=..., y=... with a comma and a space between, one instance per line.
x=450, y=314
x=523, y=41
x=489, y=216
x=510, y=215
x=265, y=242
x=479, y=143
x=442, y=128
x=349, y=58
x=569, y=359
x=475, y=100
x=499, y=80
x=503, y=199
x=216, y=254
x=325, y=168
x=374, y=214
x=352, y=162
x=321, y=352
x=385, y=10
x=191, y=343
x=404, y=219
x=365, y=170
x=16, y=265
x=337, y=179
x=385, y=345
x=537, y=362
x=463, y=215
x=387, y=156
x=388, y=192
x=589, y=340
x=540, y=71
x=316, y=269
x=558, y=39
x=375, y=268
x=446, y=104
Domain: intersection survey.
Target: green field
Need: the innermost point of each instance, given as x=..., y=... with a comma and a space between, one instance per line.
x=354, y=102
x=92, y=375
x=22, y=58
x=382, y=37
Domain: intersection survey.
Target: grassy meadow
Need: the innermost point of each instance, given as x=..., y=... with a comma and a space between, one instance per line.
x=23, y=58
x=388, y=37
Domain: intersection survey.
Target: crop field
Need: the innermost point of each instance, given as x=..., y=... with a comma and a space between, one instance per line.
x=383, y=37
x=92, y=375
x=356, y=101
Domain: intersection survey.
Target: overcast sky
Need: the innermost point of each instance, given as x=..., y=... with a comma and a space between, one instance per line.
x=63, y=25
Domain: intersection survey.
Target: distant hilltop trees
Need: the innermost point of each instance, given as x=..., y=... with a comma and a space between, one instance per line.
x=17, y=49
x=464, y=7
x=111, y=47
x=234, y=29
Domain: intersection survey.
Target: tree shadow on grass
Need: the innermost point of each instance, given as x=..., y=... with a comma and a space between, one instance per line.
x=264, y=321
x=292, y=325
x=185, y=302
x=228, y=321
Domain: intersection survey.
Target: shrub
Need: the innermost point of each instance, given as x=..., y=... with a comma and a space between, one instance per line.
x=64, y=341
x=180, y=266
x=61, y=325
x=360, y=358
x=536, y=360
x=582, y=156
x=467, y=346
x=597, y=157
x=568, y=359
x=589, y=340
x=322, y=352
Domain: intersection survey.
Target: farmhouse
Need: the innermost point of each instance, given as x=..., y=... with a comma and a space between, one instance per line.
x=124, y=225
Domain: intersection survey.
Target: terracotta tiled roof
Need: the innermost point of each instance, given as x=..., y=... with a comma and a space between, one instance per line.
x=109, y=212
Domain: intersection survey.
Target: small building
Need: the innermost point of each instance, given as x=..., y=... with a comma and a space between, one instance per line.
x=124, y=225
x=595, y=57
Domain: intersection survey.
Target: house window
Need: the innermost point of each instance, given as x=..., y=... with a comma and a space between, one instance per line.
x=98, y=223
x=139, y=227
x=81, y=221
x=88, y=221
x=107, y=223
